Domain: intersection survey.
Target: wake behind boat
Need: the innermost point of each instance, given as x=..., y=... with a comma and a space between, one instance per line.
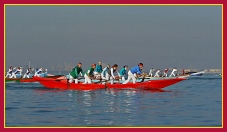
x=195, y=73
x=149, y=84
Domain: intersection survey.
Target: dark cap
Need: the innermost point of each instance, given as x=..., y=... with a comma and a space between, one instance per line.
x=115, y=65
x=140, y=64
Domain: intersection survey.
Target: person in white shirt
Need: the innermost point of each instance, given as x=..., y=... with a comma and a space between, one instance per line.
x=10, y=72
x=173, y=73
x=28, y=73
x=157, y=73
x=38, y=72
x=151, y=72
x=104, y=72
x=110, y=73
x=18, y=73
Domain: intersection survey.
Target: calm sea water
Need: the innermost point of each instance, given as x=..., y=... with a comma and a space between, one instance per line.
x=193, y=102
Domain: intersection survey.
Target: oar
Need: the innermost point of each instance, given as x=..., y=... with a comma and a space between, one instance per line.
x=65, y=78
x=144, y=75
x=143, y=79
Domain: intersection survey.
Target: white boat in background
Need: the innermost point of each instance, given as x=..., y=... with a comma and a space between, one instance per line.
x=196, y=73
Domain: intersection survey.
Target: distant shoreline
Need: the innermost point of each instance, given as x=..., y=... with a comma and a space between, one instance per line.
x=205, y=70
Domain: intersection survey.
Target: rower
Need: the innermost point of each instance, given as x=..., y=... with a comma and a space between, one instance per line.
x=110, y=73
x=151, y=72
x=38, y=72
x=183, y=72
x=89, y=74
x=165, y=72
x=10, y=72
x=104, y=71
x=157, y=73
x=73, y=75
x=98, y=70
x=28, y=72
x=137, y=70
x=18, y=72
x=123, y=72
x=172, y=73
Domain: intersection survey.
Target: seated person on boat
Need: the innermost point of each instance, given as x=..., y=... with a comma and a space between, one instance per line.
x=98, y=70
x=165, y=72
x=134, y=72
x=110, y=73
x=17, y=73
x=123, y=73
x=173, y=73
x=10, y=72
x=89, y=74
x=73, y=75
x=151, y=72
x=39, y=72
x=157, y=73
x=104, y=71
x=28, y=73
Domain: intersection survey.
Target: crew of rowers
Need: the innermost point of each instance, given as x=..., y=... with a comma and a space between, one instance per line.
x=14, y=72
x=96, y=72
x=111, y=73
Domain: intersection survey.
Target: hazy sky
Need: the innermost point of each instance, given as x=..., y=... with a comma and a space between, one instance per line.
x=158, y=36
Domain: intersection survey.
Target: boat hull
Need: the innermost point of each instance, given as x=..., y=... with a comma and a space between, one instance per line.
x=29, y=79
x=19, y=80
x=64, y=84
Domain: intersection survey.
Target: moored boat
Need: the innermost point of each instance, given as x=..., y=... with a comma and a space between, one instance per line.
x=150, y=84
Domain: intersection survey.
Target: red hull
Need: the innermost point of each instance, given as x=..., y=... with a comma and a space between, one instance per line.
x=20, y=80
x=63, y=84
x=28, y=79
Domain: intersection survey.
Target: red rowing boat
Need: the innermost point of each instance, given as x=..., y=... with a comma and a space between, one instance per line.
x=64, y=84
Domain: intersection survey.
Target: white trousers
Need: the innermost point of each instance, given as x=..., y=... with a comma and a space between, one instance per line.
x=123, y=78
x=108, y=77
x=26, y=75
x=150, y=73
x=71, y=79
x=172, y=75
x=8, y=75
x=96, y=74
x=157, y=74
x=13, y=75
x=130, y=76
x=165, y=75
x=87, y=79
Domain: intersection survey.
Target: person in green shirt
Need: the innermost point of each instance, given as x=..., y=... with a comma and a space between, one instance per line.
x=89, y=74
x=73, y=75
